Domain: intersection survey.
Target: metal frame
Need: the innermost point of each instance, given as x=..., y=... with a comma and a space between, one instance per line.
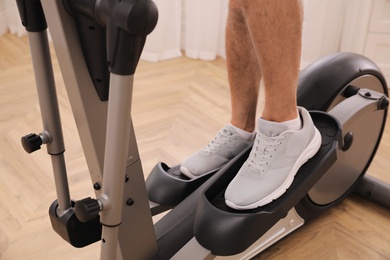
x=91, y=117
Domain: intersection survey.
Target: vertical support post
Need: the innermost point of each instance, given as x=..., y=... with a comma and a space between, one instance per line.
x=115, y=160
x=48, y=102
x=129, y=23
x=33, y=19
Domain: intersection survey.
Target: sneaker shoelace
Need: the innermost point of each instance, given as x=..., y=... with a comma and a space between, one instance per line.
x=263, y=149
x=222, y=139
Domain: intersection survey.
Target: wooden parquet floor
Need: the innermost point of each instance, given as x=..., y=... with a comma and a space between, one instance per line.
x=178, y=107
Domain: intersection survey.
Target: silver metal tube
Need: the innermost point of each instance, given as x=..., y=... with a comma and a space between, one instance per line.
x=61, y=183
x=109, y=248
x=115, y=158
x=44, y=78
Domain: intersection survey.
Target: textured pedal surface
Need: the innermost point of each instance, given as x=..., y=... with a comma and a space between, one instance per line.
x=226, y=231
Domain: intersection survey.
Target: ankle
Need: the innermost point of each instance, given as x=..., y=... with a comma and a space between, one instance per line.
x=244, y=125
x=280, y=115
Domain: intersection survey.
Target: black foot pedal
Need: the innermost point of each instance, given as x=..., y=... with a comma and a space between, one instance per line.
x=225, y=231
x=168, y=186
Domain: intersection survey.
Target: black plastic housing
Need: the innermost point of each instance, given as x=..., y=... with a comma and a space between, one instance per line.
x=320, y=82
x=92, y=37
x=167, y=186
x=72, y=230
x=32, y=15
x=112, y=37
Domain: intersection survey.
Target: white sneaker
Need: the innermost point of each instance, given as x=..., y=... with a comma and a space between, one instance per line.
x=273, y=162
x=225, y=146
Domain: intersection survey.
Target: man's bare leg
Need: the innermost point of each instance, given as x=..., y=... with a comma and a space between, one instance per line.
x=244, y=78
x=263, y=39
x=243, y=69
x=275, y=27
x=283, y=143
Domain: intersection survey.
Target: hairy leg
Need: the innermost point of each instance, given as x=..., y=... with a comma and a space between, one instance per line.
x=243, y=69
x=275, y=27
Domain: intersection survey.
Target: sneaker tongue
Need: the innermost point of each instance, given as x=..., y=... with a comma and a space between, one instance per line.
x=270, y=128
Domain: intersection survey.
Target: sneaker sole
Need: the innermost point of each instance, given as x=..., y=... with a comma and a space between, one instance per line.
x=308, y=153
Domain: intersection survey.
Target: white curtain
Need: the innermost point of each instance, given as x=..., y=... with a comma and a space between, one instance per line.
x=195, y=26
x=10, y=19
x=204, y=25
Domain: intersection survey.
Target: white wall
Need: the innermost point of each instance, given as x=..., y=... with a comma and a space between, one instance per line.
x=3, y=20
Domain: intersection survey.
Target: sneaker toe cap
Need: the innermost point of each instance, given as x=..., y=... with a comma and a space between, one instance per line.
x=247, y=192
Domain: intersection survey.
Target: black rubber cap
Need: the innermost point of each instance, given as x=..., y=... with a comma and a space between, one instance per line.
x=31, y=143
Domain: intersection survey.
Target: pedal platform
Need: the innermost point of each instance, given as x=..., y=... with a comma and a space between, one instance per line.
x=225, y=231
x=168, y=186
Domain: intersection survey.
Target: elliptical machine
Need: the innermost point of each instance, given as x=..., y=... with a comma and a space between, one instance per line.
x=98, y=44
